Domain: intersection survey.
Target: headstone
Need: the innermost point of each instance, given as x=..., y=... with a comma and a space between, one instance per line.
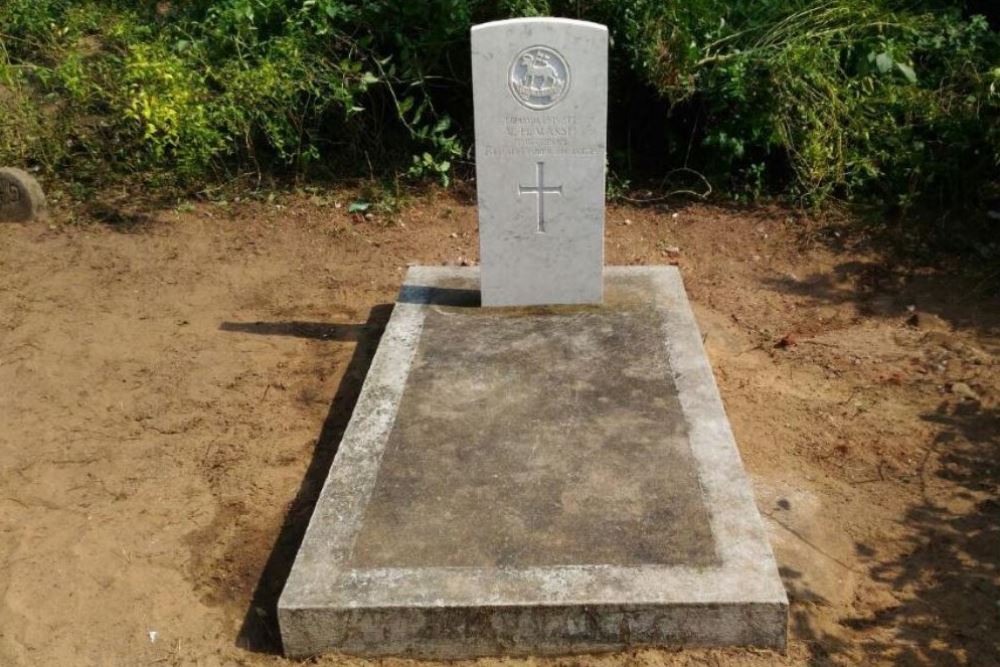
x=21, y=197
x=540, y=88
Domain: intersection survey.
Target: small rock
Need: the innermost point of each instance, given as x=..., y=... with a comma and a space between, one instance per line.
x=21, y=197
x=788, y=340
x=964, y=390
x=453, y=235
x=627, y=222
x=926, y=321
x=672, y=251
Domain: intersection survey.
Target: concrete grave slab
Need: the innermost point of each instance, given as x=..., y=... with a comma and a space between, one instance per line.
x=540, y=89
x=540, y=480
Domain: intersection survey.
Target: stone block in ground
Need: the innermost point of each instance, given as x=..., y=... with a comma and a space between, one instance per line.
x=535, y=480
x=21, y=197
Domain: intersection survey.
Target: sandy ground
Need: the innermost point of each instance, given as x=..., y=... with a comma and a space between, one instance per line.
x=174, y=383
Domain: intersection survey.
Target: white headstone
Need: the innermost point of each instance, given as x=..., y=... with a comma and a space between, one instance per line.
x=540, y=88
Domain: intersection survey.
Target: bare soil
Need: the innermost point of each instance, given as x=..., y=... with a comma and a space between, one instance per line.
x=174, y=383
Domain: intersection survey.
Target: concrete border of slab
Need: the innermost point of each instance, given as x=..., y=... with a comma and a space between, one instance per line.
x=464, y=612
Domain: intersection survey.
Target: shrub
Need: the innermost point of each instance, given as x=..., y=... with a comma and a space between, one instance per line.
x=879, y=100
x=856, y=98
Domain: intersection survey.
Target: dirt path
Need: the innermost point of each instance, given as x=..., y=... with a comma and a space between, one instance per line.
x=173, y=385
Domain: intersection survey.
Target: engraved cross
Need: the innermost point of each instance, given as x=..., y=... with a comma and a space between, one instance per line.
x=540, y=191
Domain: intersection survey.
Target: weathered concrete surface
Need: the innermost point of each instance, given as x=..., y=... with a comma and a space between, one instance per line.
x=538, y=437
x=535, y=481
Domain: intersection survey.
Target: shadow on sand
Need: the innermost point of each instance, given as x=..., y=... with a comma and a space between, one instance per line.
x=259, y=631
x=946, y=578
x=946, y=574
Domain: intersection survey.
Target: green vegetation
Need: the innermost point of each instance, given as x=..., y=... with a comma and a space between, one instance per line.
x=846, y=98
x=864, y=100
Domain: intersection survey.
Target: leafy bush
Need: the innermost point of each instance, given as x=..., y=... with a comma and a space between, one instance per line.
x=211, y=85
x=857, y=98
x=889, y=100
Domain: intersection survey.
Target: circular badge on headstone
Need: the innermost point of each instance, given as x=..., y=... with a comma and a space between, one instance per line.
x=539, y=77
x=21, y=197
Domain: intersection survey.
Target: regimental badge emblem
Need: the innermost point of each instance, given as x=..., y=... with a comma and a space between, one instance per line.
x=539, y=77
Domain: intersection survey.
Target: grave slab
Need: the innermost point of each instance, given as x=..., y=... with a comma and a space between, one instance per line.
x=535, y=480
